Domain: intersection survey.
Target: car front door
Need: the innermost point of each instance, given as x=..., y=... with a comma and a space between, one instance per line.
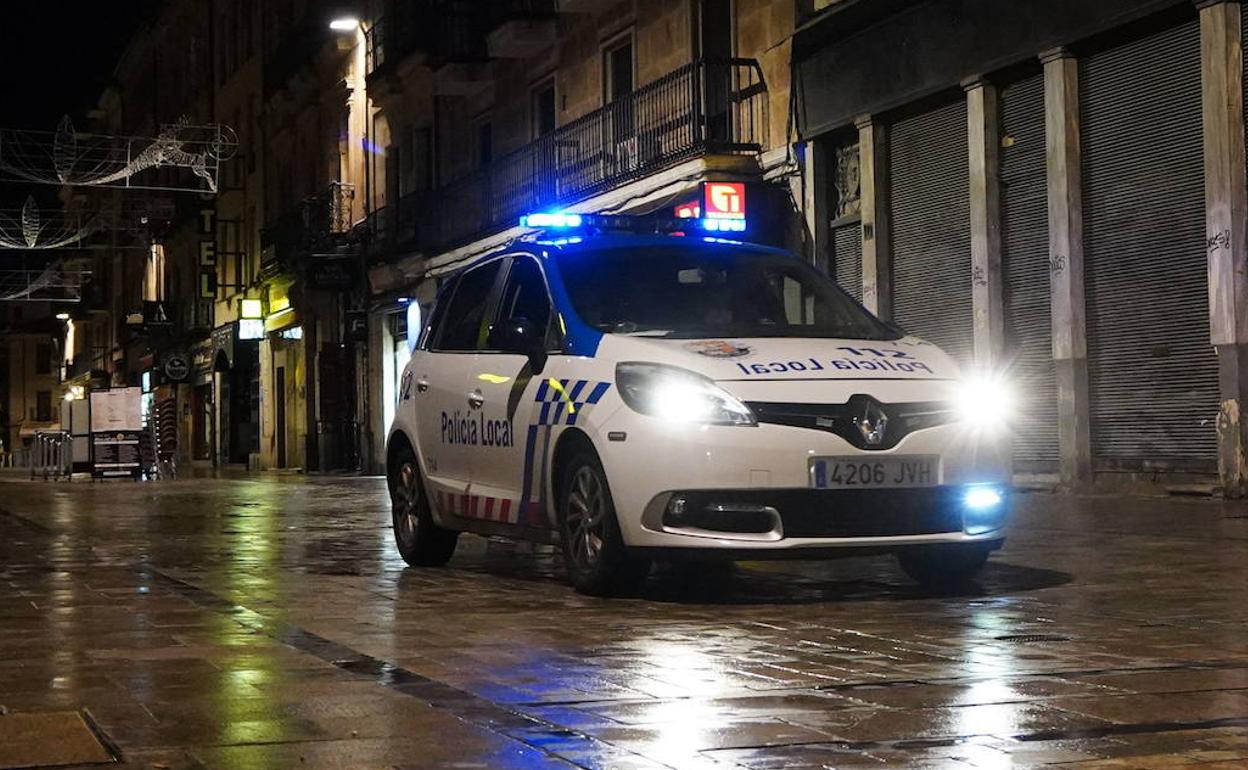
x=507, y=471
x=446, y=407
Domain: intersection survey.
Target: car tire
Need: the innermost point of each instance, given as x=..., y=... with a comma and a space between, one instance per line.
x=421, y=542
x=597, y=561
x=943, y=565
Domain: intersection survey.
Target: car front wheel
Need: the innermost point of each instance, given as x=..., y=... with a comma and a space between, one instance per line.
x=597, y=561
x=421, y=542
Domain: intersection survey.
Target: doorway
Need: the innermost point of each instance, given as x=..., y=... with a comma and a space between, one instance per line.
x=280, y=421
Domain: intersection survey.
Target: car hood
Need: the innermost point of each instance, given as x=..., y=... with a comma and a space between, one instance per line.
x=761, y=359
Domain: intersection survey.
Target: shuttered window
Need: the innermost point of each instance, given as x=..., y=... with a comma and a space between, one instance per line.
x=1152, y=370
x=847, y=258
x=928, y=200
x=1025, y=264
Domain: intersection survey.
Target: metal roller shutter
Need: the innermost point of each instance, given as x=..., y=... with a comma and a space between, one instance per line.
x=847, y=258
x=1025, y=263
x=928, y=200
x=1152, y=370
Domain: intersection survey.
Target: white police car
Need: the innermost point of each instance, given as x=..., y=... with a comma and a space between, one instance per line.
x=639, y=396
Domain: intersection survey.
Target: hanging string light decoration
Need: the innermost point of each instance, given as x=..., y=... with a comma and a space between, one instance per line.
x=28, y=230
x=66, y=157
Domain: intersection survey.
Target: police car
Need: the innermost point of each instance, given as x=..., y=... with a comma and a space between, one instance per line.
x=641, y=396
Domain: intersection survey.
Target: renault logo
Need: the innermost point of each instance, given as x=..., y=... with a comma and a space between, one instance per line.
x=872, y=422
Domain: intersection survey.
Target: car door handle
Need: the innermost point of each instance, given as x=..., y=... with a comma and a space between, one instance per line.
x=475, y=399
x=422, y=385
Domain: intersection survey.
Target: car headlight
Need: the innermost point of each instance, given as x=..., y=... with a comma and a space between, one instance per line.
x=678, y=395
x=986, y=402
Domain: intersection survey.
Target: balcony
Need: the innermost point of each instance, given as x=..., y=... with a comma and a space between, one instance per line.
x=316, y=223
x=97, y=358
x=703, y=108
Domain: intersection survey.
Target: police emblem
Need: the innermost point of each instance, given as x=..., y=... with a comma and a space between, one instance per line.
x=718, y=348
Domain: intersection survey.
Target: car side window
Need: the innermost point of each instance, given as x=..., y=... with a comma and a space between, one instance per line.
x=465, y=324
x=525, y=296
x=436, y=319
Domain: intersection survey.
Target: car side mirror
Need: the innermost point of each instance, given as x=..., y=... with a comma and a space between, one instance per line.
x=522, y=336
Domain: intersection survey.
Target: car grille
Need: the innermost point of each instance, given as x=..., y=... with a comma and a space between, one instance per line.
x=840, y=513
x=903, y=419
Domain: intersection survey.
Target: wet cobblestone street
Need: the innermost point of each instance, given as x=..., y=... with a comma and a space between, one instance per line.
x=269, y=623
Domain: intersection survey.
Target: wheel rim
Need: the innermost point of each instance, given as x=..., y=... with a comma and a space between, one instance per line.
x=586, y=518
x=406, y=503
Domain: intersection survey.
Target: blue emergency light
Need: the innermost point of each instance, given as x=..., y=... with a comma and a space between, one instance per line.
x=563, y=221
x=557, y=220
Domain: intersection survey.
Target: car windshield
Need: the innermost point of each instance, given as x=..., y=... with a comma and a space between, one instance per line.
x=691, y=292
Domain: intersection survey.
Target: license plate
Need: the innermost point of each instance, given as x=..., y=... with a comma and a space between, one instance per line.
x=874, y=473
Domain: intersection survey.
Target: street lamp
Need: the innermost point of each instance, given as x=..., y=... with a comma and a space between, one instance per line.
x=62, y=316
x=345, y=24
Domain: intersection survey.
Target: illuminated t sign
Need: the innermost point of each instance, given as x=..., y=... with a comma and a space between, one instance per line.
x=723, y=200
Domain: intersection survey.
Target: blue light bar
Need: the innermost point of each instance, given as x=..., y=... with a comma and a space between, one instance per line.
x=724, y=225
x=553, y=220
x=603, y=223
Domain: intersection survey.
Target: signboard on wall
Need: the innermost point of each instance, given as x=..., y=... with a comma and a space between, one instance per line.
x=332, y=272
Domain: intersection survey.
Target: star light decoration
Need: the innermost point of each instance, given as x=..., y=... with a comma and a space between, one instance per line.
x=66, y=157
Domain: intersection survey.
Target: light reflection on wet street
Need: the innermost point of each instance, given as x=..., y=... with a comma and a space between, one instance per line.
x=269, y=623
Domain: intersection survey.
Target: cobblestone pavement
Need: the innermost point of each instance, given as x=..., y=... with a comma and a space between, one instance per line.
x=268, y=623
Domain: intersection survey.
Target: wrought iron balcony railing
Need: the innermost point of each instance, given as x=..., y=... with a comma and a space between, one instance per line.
x=96, y=358
x=314, y=223
x=705, y=107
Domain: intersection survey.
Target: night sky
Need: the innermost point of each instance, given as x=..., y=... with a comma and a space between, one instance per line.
x=59, y=54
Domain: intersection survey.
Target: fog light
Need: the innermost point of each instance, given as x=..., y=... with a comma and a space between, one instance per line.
x=981, y=498
x=983, y=509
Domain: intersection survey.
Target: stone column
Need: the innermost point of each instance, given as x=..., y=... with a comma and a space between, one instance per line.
x=1070, y=345
x=983, y=144
x=816, y=189
x=1226, y=208
x=876, y=244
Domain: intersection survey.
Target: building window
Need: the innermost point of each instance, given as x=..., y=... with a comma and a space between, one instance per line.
x=617, y=69
x=43, y=358
x=43, y=406
x=542, y=109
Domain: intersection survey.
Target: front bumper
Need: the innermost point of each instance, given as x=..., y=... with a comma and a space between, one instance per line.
x=789, y=518
x=760, y=475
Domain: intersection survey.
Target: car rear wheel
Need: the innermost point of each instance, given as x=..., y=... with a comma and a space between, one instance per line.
x=944, y=564
x=421, y=542
x=597, y=561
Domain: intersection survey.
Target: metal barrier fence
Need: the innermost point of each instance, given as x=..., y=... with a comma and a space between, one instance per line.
x=52, y=454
